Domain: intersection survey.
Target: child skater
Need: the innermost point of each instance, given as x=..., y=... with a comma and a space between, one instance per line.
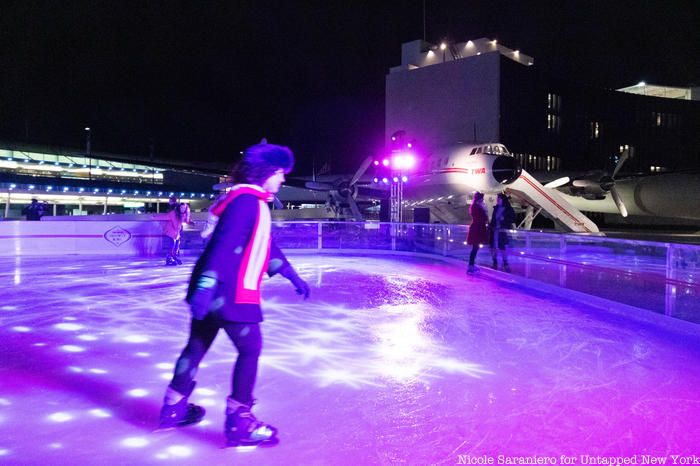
x=224, y=293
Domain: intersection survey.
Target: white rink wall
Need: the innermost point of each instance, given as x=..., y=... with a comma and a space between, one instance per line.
x=122, y=237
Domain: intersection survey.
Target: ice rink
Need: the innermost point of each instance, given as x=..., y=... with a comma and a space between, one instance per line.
x=393, y=360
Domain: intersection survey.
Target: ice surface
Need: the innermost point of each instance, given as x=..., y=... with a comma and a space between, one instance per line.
x=393, y=360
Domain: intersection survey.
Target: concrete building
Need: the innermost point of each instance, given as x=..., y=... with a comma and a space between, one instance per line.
x=481, y=91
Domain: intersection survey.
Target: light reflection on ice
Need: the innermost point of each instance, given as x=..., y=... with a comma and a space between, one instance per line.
x=72, y=348
x=99, y=412
x=69, y=327
x=137, y=392
x=87, y=337
x=136, y=338
x=134, y=442
x=59, y=417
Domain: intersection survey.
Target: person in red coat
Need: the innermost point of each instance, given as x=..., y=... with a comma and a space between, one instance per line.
x=478, y=231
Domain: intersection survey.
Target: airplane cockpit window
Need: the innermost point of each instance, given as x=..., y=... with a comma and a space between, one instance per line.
x=473, y=151
x=478, y=150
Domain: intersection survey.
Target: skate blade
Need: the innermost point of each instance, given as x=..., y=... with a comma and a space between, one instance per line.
x=166, y=428
x=252, y=445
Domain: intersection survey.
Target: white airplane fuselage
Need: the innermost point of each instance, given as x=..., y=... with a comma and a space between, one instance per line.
x=461, y=170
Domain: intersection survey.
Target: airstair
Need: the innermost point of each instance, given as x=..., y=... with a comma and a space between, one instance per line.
x=552, y=204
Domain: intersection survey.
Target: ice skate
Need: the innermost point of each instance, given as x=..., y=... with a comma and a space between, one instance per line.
x=180, y=413
x=243, y=429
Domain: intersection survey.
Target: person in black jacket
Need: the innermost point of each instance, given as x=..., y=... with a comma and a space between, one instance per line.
x=502, y=218
x=33, y=211
x=224, y=293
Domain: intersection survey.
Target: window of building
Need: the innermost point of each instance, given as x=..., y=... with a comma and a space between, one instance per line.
x=553, y=123
x=595, y=130
x=553, y=102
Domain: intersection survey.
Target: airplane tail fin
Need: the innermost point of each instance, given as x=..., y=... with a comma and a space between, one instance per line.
x=551, y=202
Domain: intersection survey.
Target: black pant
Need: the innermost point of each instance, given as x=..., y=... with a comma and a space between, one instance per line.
x=472, y=255
x=248, y=341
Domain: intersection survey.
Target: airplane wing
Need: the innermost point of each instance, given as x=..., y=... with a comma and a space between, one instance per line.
x=552, y=202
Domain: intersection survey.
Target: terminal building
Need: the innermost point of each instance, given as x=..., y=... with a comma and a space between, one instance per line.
x=481, y=91
x=74, y=183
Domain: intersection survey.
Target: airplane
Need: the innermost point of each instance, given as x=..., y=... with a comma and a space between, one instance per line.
x=446, y=179
x=666, y=194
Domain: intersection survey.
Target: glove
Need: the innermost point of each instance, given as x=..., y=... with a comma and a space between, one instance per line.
x=302, y=288
x=202, y=297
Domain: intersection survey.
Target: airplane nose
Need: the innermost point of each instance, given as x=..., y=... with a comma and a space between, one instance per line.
x=506, y=169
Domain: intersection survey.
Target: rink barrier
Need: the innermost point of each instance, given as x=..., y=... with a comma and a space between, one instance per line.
x=657, y=276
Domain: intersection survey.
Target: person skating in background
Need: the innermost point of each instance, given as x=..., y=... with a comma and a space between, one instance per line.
x=173, y=232
x=224, y=293
x=502, y=218
x=33, y=211
x=186, y=217
x=478, y=232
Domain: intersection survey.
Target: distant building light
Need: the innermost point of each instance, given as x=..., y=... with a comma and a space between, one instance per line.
x=148, y=193
x=13, y=186
x=385, y=162
x=81, y=190
x=56, y=163
x=136, y=192
x=404, y=178
x=65, y=188
x=470, y=44
x=49, y=188
x=396, y=179
x=31, y=186
x=443, y=46
x=376, y=180
x=109, y=191
x=385, y=180
x=376, y=163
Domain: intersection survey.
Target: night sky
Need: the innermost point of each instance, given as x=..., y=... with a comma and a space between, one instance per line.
x=201, y=80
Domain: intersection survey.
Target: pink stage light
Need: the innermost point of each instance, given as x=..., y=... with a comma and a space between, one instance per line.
x=403, y=161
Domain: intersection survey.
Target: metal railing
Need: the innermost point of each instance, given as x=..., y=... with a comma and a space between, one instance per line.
x=660, y=277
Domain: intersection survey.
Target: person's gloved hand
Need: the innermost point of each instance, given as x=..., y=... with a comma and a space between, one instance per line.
x=300, y=285
x=202, y=297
